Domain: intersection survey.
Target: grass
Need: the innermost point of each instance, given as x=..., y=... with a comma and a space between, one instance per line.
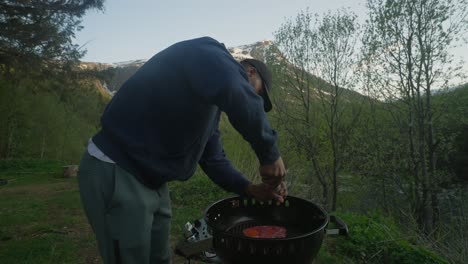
x=42, y=221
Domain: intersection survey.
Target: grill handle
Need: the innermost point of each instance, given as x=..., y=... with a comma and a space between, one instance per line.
x=340, y=229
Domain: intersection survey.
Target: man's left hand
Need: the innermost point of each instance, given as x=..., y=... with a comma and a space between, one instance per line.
x=265, y=192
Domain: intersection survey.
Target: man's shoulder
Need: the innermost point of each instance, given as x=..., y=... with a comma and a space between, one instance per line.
x=208, y=55
x=206, y=39
x=202, y=42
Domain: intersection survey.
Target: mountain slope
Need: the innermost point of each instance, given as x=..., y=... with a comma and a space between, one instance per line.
x=114, y=75
x=117, y=73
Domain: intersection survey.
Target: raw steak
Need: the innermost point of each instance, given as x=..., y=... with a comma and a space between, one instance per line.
x=265, y=232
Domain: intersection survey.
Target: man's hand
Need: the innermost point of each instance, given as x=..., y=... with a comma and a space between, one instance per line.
x=265, y=192
x=282, y=189
x=273, y=174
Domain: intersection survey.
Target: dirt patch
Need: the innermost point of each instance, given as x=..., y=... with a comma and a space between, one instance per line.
x=90, y=255
x=42, y=190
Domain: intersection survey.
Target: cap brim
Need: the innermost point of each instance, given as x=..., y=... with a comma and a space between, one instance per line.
x=267, y=106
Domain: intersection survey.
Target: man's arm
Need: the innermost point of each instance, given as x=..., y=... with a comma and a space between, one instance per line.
x=216, y=78
x=220, y=170
x=244, y=109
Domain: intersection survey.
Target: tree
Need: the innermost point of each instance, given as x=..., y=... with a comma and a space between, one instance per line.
x=37, y=35
x=408, y=43
x=317, y=67
x=36, y=47
x=335, y=63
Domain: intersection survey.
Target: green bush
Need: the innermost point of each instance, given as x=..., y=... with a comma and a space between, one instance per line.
x=376, y=239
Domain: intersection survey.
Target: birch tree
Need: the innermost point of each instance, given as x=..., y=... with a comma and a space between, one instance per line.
x=408, y=42
x=318, y=67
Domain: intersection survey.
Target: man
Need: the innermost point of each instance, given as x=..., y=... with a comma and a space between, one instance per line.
x=158, y=126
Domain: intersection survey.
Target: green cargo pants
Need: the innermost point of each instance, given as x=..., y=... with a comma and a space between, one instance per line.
x=131, y=222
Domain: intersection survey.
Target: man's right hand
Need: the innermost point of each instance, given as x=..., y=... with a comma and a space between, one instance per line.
x=273, y=174
x=265, y=192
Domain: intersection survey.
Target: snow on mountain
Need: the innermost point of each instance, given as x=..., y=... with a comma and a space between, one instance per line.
x=124, y=69
x=94, y=66
x=102, y=66
x=256, y=50
x=137, y=63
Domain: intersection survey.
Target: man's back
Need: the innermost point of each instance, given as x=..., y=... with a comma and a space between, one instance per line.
x=158, y=123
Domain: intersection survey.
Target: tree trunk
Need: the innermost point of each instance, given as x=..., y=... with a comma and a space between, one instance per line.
x=431, y=156
x=335, y=187
x=43, y=146
x=323, y=182
x=10, y=142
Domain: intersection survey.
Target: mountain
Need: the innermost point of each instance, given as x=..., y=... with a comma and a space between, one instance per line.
x=113, y=75
x=256, y=50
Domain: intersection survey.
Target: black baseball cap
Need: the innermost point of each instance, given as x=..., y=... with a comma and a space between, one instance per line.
x=267, y=78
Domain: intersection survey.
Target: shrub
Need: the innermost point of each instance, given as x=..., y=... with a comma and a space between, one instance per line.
x=376, y=239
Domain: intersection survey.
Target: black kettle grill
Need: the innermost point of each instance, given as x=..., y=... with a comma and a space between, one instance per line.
x=306, y=224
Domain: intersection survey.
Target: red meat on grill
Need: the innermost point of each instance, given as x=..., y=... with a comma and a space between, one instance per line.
x=265, y=232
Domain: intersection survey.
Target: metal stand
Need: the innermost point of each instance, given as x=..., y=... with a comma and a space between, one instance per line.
x=197, y=243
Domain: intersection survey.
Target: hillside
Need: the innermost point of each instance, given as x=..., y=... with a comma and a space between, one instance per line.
x=117, y=73
x=454, y=119
x=49, y=119
x=113, y=75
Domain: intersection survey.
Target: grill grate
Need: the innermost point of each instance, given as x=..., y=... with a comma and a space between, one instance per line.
x=238, y=229
x=304, y=223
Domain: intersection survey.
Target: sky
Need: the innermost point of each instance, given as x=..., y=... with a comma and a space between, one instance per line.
x=138, y=29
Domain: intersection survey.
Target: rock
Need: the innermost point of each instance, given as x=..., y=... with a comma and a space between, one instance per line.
x=70, y=171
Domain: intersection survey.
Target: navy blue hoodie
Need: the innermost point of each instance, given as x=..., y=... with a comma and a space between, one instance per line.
x=164, y=119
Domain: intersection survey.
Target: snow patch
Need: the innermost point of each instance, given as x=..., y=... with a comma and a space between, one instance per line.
x=122, y=64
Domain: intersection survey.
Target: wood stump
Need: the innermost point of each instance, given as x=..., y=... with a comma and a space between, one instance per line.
x=70, y=171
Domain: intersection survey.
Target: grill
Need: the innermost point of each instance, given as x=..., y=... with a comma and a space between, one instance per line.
x=304, y=221
x=219, y=237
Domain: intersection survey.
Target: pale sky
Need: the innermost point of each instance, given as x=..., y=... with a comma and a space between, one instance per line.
x=137, y=29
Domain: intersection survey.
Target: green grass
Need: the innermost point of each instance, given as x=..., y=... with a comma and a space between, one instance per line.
x=190, y=199
x=42, y=221
x=374, y=238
